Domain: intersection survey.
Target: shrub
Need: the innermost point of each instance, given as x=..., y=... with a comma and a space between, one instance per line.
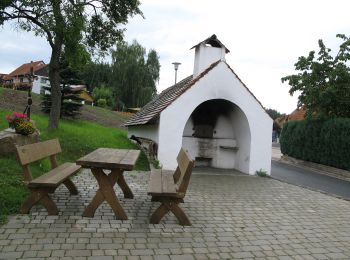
x=101, y=102
x=106, y=94
x=261, y=173
x=320, y=141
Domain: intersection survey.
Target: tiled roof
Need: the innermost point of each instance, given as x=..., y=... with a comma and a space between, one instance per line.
x=158, y=104
x=152, y=110
x=25, y=68
x=297, y=114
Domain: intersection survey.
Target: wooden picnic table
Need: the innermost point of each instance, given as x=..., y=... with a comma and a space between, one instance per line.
x=116, y=161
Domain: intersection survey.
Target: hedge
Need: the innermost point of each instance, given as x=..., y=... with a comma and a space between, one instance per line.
x=321, y=141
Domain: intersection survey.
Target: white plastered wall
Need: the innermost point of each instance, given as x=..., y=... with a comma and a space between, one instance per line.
x=219, y=83
x=144, y=131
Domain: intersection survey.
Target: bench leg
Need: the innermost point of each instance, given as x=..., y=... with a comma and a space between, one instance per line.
x=167, y=206
x=180, y=215
x=159, y=213
x=39, y=196
x=71, y=187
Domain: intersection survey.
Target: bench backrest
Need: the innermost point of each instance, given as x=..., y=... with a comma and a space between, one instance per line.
x=29, y=153
x=183, y=171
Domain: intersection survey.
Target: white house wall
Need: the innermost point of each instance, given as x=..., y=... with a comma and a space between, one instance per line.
x=219, y=83
x=243, y=138
x=37, y=84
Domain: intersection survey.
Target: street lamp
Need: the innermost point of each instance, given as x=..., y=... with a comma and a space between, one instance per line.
x=176, y=66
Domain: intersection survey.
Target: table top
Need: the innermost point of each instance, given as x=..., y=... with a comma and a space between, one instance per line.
x=109, y=158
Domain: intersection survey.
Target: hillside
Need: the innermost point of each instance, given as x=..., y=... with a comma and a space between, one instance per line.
x=14, y=100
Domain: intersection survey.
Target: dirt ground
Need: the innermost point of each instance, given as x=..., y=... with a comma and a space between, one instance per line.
x=17, y=101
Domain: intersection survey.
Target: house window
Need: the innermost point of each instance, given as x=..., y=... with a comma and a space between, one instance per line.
x=42, y=80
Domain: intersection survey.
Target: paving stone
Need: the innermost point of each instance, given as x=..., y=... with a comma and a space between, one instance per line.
x=10, y=255
x=77, y=253
x=233, y=217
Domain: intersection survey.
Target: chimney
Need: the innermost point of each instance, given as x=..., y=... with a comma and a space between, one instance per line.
x=208, y=52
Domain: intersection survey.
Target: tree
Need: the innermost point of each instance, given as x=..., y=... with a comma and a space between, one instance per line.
x=70, y=100
x=96, y=75
x=324, y=81
x=105, y=94
x=70, y=25
x=133, y=77
x=273, y=113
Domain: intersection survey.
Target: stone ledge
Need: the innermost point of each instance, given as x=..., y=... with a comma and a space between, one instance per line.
x=9, y=139
x=319, y=168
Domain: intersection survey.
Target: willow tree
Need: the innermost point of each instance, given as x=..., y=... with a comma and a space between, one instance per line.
x=134, y=74
x=70, y=24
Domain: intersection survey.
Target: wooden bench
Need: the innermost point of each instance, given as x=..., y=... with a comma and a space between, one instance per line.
x=169, y=188
x=48, y=182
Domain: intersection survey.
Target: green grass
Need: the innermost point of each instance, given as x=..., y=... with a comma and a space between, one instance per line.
x=76, y=137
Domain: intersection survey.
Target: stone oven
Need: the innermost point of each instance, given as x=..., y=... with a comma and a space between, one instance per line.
x=209, y=134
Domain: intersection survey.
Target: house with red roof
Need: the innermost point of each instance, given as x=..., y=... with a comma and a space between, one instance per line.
x=19, y=78
x=212, y=114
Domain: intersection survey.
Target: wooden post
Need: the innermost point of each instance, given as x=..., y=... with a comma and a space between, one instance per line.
x=29, y=98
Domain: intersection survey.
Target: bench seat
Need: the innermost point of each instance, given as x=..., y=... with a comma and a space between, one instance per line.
x=56, y=176
x=161, y=183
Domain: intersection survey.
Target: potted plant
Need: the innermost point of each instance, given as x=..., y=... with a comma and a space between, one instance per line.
x=20, y=123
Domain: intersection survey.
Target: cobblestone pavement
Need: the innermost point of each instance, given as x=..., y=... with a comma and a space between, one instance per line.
x=233, y=217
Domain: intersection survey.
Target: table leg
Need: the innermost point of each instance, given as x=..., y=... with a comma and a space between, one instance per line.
x=125, y=187
x=105, y=192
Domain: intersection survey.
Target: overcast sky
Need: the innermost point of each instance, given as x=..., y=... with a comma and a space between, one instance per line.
x=265, y=38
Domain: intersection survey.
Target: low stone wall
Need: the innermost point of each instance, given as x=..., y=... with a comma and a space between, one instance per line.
x=9, y=139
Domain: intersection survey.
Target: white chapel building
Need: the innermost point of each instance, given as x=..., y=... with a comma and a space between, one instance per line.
x=212, y=114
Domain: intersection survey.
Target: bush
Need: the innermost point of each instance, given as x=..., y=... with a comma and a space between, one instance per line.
x=106, y=94
x=261, y=173
x=321, y=141
x=101, y=102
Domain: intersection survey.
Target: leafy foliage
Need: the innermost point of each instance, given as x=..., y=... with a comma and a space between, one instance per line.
x=129, y=81
x=273, y=113
x=324, y=81
x=72, y=25
x=134, y=78
x=96, y=75
x=321, y=141
x=261, y=173
x=70, y=100
x=104, y=93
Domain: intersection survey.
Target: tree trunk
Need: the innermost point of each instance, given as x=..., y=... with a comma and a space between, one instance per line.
x=54, y=75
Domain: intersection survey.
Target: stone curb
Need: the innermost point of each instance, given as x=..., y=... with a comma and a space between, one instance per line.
x=315, y=167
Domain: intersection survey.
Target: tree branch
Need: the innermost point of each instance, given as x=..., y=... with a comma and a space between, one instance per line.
x=24, y=15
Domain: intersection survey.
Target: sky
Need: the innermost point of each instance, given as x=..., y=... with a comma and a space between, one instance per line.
x=265, y=39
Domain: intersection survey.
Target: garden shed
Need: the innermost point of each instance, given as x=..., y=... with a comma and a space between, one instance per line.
x=212, y=114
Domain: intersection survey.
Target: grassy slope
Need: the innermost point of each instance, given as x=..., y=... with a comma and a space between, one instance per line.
x=17, y=100
x=77, y=138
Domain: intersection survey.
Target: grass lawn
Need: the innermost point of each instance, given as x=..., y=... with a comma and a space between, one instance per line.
x=77, y=138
